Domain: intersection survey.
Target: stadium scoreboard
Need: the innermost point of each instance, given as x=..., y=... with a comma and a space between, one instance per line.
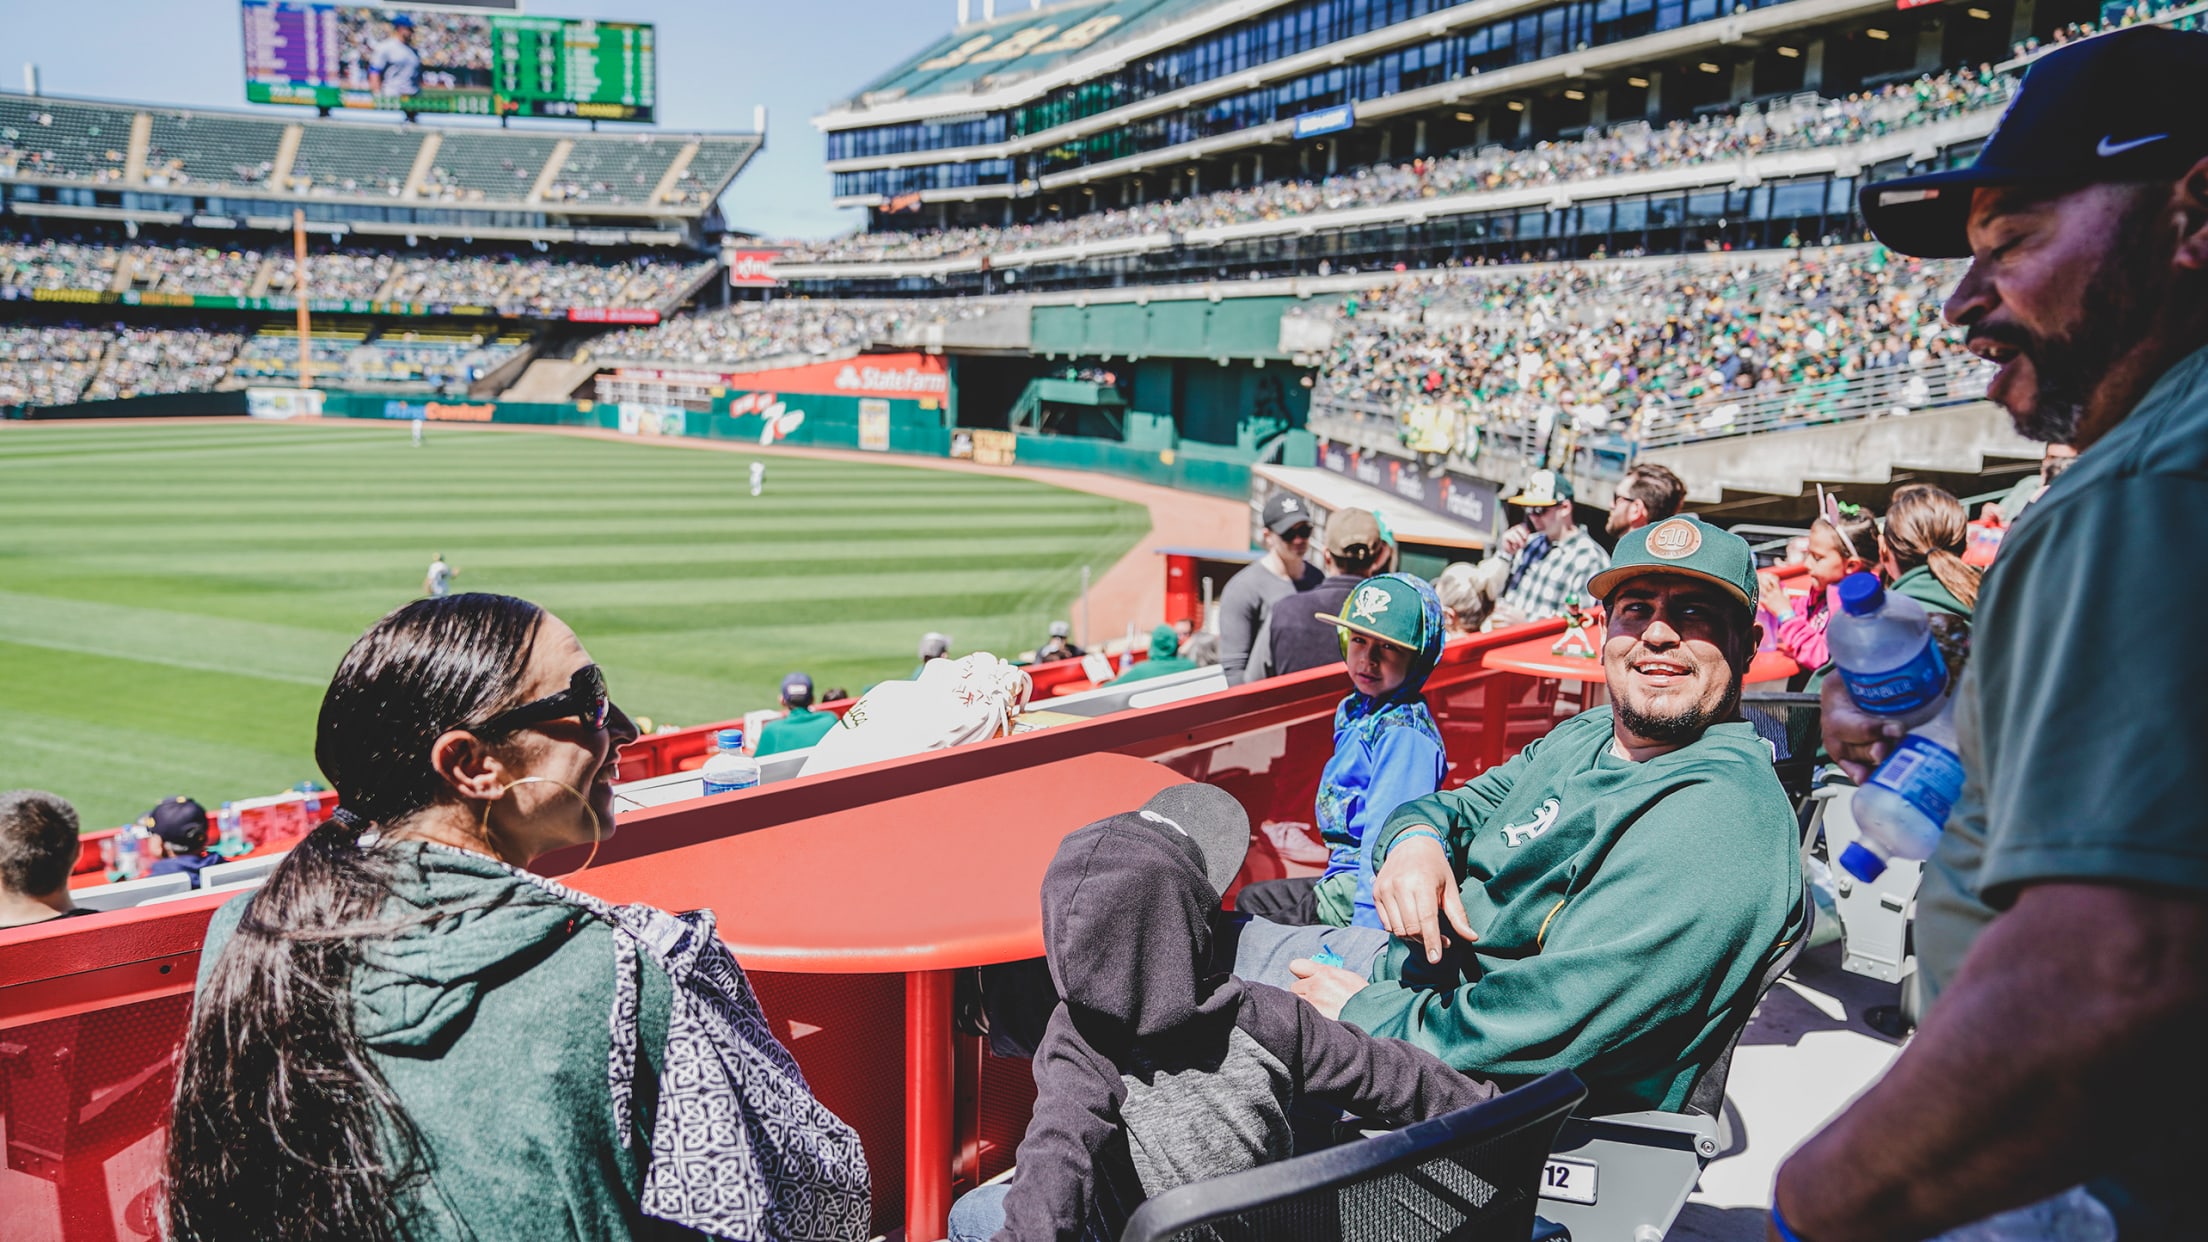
x=422, y=59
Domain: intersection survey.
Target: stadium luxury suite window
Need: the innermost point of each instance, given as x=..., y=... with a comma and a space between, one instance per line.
x=1522, y=38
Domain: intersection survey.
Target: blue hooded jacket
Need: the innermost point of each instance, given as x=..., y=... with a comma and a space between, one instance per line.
x=1387, y=751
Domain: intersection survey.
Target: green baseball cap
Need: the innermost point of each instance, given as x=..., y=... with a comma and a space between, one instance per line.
x=1682, y=545
x=1386, y=608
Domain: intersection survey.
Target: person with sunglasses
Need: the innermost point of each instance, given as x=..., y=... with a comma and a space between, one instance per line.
x=1282, y=571
x=407, y=1033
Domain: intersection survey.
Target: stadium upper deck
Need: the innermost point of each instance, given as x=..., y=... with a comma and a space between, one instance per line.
x=1073, y=108
x=81, y=159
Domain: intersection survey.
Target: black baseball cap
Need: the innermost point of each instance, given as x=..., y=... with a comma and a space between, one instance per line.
x=797, y=688
x=1210, y=818
x=1285, y=511
x=2130, y=105
x=179, y=821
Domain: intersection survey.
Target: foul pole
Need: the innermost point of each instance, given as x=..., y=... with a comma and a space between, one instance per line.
x=299, y=292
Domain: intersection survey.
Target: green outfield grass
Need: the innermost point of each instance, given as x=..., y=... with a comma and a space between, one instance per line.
x=174, y=599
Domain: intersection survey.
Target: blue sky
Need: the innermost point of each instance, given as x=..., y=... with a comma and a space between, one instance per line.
x=716, y=62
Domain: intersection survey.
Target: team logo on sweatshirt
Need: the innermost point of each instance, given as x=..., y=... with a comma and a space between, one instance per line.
x=1369, y=604
x=1515, y=835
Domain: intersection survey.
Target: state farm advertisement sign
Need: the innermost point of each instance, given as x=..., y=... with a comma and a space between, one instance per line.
x=612, y=314
x=752, y=269
x=914, y=377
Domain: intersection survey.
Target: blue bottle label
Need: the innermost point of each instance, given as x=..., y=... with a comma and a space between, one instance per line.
x=1900, y=691
x=1925, y=774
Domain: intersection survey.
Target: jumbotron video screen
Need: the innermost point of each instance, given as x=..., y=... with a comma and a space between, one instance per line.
x=421, y=59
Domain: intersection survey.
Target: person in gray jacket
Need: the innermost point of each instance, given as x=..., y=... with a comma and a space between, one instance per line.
x=1154, y=1071
x=1281, y=571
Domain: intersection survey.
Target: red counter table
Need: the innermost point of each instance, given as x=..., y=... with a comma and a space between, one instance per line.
x=949, y=888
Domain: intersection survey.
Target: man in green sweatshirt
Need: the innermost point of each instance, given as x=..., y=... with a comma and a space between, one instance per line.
x=1612, y=894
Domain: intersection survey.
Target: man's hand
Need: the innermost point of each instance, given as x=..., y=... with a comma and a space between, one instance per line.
x=1416, y=887
x=1328, y=988
x=1515, y=540
x=1857, y=740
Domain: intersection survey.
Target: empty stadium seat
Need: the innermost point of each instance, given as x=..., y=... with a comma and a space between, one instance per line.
x=616, y=170
x=500, y=166
x=128, y=893
x=212, y=147
x=240, y=872
x=356, y=159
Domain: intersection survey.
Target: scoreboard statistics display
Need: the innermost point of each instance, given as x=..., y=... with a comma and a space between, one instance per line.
x=418, y=59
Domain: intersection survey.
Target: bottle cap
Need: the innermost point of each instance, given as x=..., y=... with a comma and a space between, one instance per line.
x=1862, y=594
x=1861, y=862
x=729, y=739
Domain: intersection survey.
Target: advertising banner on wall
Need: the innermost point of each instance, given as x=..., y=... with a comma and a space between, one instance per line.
x=912, y=377
x=638, y=418
x=283, y=402
x=874, y=424
x=1473, y=501
x=752, y=269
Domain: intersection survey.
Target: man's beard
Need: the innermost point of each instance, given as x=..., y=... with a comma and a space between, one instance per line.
x=1618, y=523
x=2123, y=298
x=1680, y=727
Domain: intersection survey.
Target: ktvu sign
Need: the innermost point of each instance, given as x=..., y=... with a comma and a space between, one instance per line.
x=1326, y=121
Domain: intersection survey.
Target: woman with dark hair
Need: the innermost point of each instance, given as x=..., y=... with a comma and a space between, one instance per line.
x=405, y=1034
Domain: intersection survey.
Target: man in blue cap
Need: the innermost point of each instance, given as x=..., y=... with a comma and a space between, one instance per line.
x=2062, y=925
x=394, y=67
x=800, y=726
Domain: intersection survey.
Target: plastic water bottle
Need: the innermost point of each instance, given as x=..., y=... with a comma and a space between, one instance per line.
x=230, y=831
x=729, y=769
x=1903, y=810
x=1883, y=649
x=130, y=853
x=1882, y=645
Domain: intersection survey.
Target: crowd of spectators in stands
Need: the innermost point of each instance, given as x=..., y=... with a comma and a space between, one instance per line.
x=752, y=331
x=1458, y=356
x=539, y=283
x=62, y=364
x=1622, y=149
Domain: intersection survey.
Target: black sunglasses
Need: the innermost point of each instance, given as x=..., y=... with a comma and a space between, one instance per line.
x=585, y=699
x=1295, y=533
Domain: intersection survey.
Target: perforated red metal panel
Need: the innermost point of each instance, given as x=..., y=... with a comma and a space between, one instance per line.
x=84, y=1104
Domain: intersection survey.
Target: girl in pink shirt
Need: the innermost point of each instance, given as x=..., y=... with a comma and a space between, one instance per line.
x=1837, y=546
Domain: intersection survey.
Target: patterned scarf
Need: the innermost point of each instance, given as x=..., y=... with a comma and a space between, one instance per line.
x=740, y=1148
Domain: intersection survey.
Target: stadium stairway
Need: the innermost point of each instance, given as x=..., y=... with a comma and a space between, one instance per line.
x=1954, y=439
x=550, y=379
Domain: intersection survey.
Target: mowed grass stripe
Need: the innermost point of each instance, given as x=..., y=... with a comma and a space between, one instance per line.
x=188, y=590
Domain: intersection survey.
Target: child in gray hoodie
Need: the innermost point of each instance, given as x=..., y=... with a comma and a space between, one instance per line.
x=1155, y=1072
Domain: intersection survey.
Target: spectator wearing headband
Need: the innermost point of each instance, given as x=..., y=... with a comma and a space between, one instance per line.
x=1842, y=541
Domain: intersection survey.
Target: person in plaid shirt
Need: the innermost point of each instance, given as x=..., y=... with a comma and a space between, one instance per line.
x=1552, y=561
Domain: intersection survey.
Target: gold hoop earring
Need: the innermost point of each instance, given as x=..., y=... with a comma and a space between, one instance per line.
x=597, y=826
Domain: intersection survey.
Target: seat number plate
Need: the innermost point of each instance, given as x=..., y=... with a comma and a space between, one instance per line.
x=1572, y=1181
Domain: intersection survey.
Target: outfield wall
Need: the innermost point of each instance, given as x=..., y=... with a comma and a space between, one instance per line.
x=890, y=426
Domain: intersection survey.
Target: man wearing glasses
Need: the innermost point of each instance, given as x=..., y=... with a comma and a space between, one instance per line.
x=1281, y=571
